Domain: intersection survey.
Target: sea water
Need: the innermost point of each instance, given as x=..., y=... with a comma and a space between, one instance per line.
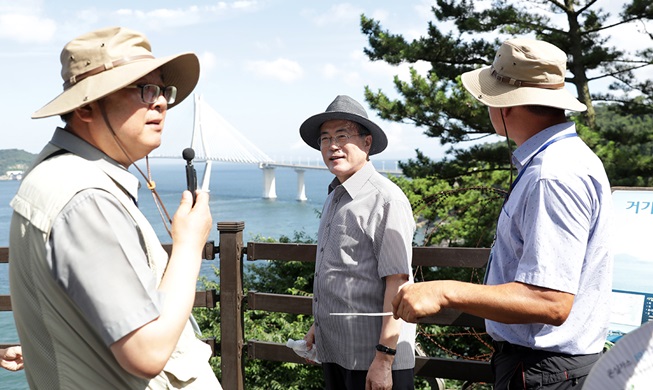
x=236, y=195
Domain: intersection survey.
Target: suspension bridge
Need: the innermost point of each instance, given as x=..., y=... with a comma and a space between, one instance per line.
x=215, y=139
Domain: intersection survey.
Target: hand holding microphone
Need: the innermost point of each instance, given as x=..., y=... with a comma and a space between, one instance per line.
x=191, y=176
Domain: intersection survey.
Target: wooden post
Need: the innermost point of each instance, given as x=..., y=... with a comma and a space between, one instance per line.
x=231, y=297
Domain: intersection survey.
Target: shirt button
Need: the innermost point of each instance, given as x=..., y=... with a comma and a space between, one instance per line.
x=321, y=249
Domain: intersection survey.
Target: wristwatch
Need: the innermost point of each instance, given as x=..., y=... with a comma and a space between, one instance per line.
x=386, y=350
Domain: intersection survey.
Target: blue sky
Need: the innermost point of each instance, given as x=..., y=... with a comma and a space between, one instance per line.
x=267, y=65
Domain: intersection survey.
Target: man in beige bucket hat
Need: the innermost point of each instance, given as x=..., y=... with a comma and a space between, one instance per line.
x=549, y=275
x=97, y=301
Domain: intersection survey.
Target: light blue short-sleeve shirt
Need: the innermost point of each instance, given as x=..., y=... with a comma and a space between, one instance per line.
x=554, y=232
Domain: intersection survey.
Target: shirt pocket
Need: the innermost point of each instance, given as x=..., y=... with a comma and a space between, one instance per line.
x=346, y=240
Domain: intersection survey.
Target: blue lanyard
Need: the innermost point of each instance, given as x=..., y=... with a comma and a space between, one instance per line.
x=541, y=149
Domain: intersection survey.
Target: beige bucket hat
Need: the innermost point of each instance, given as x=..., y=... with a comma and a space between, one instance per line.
x=101, y=62
x=524, y=72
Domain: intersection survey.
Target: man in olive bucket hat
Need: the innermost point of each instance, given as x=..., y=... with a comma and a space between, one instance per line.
x=364, y=257
x=549, y=275
x=98, y=302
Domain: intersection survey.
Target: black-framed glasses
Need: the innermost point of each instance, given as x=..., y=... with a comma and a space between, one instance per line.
x=340, y=140
x=151, y=92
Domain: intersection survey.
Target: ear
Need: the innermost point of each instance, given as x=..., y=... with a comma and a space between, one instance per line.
x=368, y=143
x=84, y=113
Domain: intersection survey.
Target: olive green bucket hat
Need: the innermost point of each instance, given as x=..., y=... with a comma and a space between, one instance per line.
x=104, y=61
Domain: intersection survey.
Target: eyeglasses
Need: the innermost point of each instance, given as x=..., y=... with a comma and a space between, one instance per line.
x=151, y=92
x=340, y=140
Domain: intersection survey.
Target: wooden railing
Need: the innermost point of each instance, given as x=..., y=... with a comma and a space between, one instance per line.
x=233, y=347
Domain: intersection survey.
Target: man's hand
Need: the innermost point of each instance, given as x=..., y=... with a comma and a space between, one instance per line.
x=379, y=375
x=310, y=337
x=191, y=225
x=310, y=341
x=417, y=300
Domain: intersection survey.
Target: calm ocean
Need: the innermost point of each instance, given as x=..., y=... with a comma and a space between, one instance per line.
x=236, y=195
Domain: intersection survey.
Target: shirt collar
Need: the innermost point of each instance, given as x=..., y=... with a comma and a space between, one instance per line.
x=72, y=143
x=356, y=181
x=525, y=151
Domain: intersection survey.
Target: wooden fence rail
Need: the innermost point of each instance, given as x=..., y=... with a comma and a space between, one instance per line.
x=233, y=303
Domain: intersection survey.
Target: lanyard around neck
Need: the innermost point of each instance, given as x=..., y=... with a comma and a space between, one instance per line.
x=541, y=149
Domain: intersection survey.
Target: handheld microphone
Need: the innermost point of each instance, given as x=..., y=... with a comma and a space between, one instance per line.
x=191, y=176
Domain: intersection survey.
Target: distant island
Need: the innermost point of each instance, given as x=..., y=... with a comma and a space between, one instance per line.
x=14, y=162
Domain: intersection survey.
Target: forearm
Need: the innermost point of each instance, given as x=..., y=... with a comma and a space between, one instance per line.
x=510, y=303
x=178, y=286
x=391, y=327
x=145, y=351
x=379, y=374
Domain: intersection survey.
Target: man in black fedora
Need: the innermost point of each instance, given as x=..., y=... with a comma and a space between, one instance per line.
x=364, y=257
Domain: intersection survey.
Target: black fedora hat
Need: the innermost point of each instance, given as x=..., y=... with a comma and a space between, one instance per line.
x=346, y=108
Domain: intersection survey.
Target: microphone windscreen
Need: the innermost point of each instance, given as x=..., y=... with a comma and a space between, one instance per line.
x=188, y=154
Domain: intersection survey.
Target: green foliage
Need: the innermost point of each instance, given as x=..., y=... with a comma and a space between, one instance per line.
x=437, y=103
x=209, y=320
x=458, y=212
x=15, y=160
x=625, y=145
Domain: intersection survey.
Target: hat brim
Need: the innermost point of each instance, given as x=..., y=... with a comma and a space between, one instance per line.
x=493, y=93
x=310, y=129
x=180, y=70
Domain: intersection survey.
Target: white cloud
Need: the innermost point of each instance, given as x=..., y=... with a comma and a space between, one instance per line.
x=270, y=44
x=165, y=18
x=208, y=61
x=280, y=69
x=339, y=13
x=25, y=27
x=329, y=71
x=349, y=77
x=246, y=5
x=162, y=18
x=380, y=15
x=88, y=16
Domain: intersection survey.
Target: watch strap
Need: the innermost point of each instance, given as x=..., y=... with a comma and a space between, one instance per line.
x=386, y=350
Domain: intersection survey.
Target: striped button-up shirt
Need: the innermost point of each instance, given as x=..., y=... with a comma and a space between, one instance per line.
x=365, y=234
